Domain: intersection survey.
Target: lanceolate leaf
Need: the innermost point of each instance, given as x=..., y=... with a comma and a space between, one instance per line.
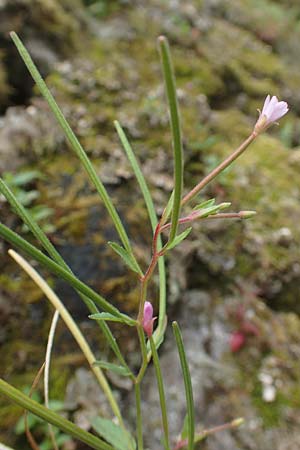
x=30, y=250
x=187, y=385
x=112, y=433
x=127, y=258
x=210, y=210
x=119, y=370
x=158, y=334
x=184, y=431
x=170, y=87
x=52, y=417
x=206, y=204
x=73, y=141
x=179, y=238
x=110, y=317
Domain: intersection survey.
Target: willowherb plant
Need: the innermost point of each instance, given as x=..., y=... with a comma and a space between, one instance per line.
x=113, y=434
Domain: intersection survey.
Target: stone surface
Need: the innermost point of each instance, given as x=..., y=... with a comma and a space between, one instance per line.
x=227, y=56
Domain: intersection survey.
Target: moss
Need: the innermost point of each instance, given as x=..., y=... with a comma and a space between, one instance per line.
x=270, y=413
x=205, y=79
x=58, y=21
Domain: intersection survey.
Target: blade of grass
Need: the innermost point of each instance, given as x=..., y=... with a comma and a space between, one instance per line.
x=18, y=241
x=74, y=142
x=158, y=335
x=169, y=78
x=51, y=250
x=72, y=326
x=187, y=385
x=51, y=417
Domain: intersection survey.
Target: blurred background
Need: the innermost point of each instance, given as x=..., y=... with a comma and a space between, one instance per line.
x=233, y=286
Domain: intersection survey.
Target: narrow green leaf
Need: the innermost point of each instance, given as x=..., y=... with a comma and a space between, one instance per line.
x=159, y=332
x=73, y=141
x=113, y=318
x=168, y=209
x=176, y=131
x=179, y=238
x=119, y=370
x=205, y=212
x=184, y=431
x=127, y=257
x=206, y=204
x=161, y=391
x=52, y=417
x=112, y=433
x=187, y=385
x=36, y=230
x=30, y=250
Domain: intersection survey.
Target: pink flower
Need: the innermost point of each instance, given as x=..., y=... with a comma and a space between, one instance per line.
x=148, y=319
x=237, y=341
x=272, y=111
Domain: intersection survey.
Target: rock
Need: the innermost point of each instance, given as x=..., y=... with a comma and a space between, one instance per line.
x=84, y=395
x=26, y=134
x=49, y=29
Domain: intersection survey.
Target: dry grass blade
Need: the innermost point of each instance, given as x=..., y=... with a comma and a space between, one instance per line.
x=47, y=371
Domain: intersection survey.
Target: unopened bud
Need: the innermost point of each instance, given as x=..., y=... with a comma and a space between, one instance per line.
x=247, y=214
x=148, y=319
x=237, y=422
x=224, y=205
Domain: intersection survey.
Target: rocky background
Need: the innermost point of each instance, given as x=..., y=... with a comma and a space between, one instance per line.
x=233, y=286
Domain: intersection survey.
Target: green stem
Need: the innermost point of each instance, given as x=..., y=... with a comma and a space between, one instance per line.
x=161, y=391
x=51, y=417
x=139, y=420
x=187, y=385
x=176, y=131
x=144, y=353
x=159, y=332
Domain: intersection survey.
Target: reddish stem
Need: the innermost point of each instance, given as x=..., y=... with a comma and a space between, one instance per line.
x=203, y=434
x=193, y=216
x=145, y=278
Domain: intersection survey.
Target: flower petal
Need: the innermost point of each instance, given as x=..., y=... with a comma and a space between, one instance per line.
x=280, y=110
x=270, y=108
x=266, y=103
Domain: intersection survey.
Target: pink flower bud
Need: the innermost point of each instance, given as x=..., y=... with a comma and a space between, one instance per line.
x=272, y=111
x=148, y=319
x=237, y=341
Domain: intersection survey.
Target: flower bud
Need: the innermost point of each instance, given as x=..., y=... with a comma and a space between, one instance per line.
x=237, y=422
x=237, y=341
x=148, y=319
x=247, y=214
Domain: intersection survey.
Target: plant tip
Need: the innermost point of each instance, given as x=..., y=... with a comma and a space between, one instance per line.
x=247, y=214
x=237, y=422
